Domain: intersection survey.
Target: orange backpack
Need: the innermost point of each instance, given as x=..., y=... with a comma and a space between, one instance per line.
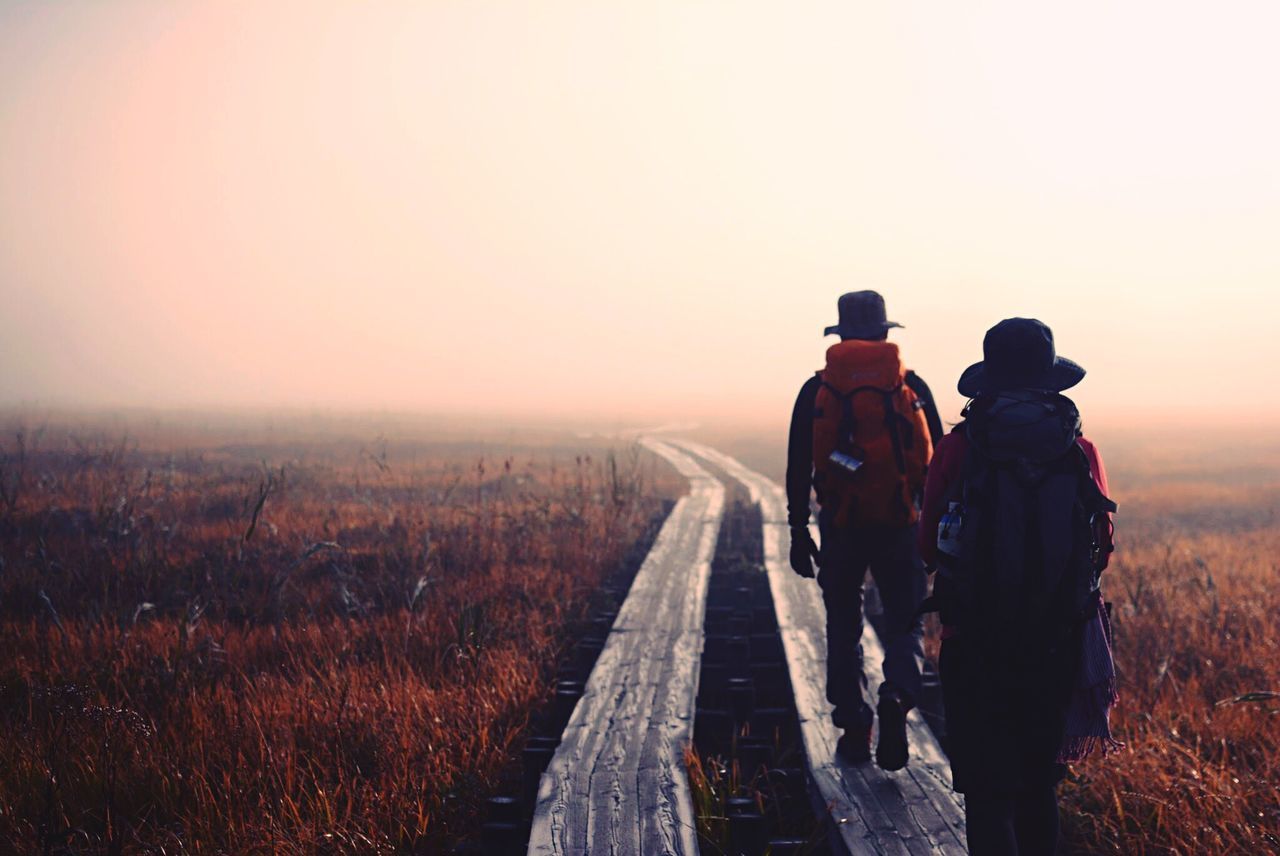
x=870, y=439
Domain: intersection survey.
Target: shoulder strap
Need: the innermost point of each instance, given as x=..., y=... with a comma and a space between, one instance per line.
x=848, y=424
x=917, y=385
x=895, y=429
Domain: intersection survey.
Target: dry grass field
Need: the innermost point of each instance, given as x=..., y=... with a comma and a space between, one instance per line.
x=1196, y=592
x=229, y=640
x=292, y=637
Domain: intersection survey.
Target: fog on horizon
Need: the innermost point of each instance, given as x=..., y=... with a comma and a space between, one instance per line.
x=640, y=211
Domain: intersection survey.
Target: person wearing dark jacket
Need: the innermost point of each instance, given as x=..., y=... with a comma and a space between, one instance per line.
x=867, y=519
x=1027, y=674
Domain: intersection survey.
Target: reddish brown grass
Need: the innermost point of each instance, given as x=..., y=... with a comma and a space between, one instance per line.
x=170, y=685
x=336, y=649
x=1196, y=593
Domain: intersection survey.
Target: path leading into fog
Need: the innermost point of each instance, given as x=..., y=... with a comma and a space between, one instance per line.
x=618, y=783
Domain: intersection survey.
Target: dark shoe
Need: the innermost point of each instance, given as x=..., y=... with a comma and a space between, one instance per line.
x=854, y=746
x=891, y=751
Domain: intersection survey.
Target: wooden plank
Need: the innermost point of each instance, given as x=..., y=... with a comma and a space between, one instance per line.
x=907, y=812
x=618, y=783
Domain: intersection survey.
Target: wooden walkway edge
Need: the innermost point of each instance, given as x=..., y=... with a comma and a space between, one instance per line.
x=618, y=782
x=913, y=811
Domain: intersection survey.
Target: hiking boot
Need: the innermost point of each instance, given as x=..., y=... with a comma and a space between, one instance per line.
x=891, y=750
x=854, y=746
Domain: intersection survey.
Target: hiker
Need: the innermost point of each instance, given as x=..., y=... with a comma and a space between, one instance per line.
x=1017, y=523
x=862, y=432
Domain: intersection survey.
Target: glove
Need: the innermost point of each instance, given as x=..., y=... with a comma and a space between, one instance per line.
x=803, y=552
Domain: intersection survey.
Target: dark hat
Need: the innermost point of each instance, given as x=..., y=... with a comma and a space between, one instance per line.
x=861, y=316
x=1018, y=353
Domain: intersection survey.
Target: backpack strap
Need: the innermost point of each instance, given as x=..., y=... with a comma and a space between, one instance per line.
x=895, y=430
x=847, y=421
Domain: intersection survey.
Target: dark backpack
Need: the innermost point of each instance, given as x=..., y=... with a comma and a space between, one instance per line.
x=1019, y=551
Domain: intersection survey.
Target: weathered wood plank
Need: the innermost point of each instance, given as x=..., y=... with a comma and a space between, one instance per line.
x=907, y=812
x=618, y=782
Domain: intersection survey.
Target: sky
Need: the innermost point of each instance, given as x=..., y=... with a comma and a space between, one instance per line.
x=631, y=210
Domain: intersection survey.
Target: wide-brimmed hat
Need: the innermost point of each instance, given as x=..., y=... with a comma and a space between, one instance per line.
x=862, y=316
x=1018, y=353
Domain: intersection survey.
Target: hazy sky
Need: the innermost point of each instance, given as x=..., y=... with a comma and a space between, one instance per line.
x=645, y=209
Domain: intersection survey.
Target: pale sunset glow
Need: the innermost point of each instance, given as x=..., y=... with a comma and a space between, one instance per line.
x=638, y=211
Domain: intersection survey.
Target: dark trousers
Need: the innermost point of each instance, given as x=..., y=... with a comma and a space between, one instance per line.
x=890, y=554
x=1005, y=720
x=1024, y=823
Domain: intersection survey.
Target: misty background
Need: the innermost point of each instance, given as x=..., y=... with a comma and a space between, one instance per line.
x=637, y=211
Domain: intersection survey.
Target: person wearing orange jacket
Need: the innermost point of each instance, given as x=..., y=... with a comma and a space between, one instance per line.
x=861, y=435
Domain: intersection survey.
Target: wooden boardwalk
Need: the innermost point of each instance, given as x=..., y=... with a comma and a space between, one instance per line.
x=913, y=811
x=618, y=782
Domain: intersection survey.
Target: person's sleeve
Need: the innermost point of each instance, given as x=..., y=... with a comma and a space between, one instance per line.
x=1096, y=467
x=922, y=391
x=800, y=455
x=942, y=471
